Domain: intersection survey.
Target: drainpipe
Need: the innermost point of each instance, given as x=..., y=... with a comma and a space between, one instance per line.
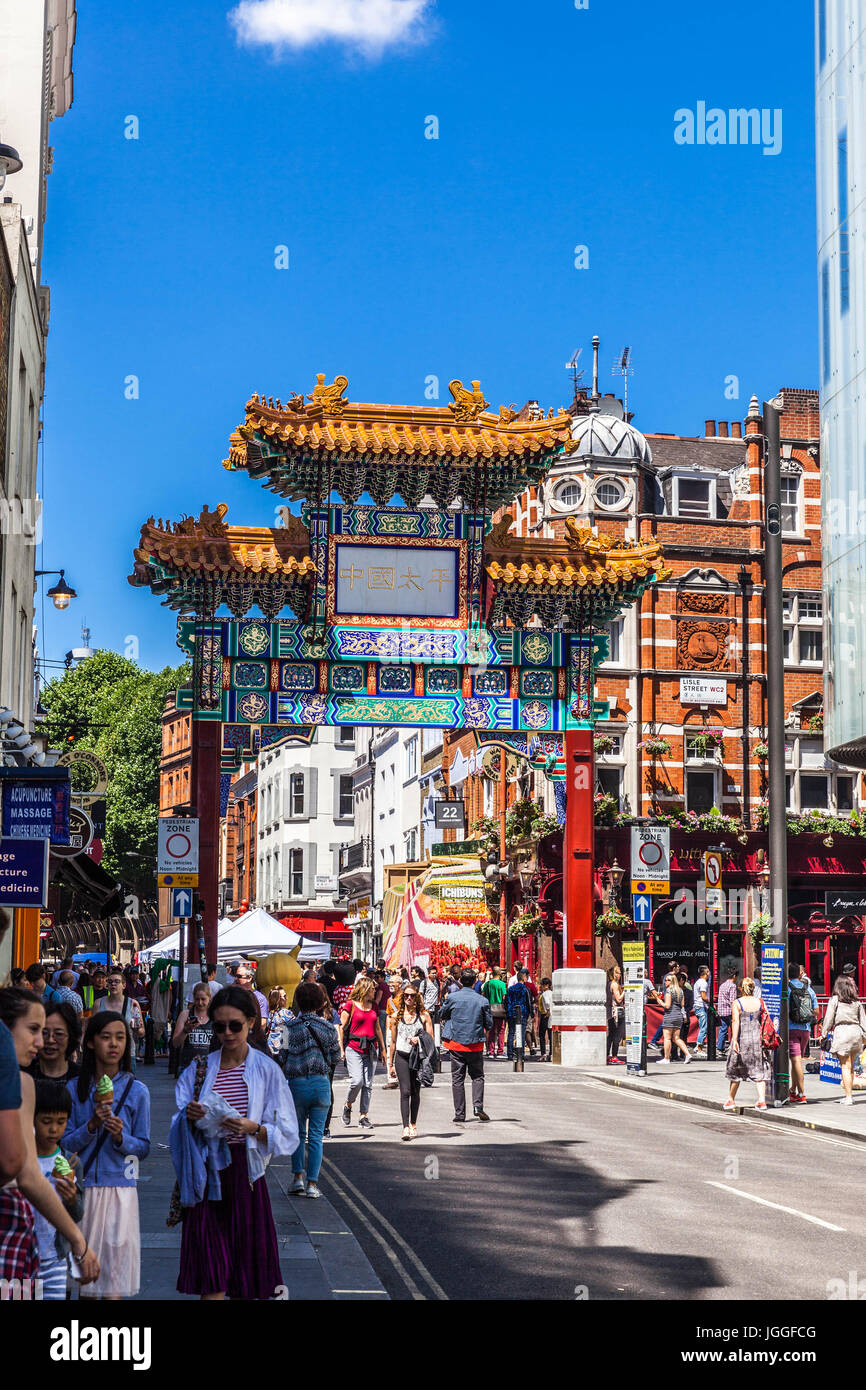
x=744, y=579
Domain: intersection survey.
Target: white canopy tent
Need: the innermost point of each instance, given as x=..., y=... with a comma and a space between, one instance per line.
x=169, y=947
x=255, y=933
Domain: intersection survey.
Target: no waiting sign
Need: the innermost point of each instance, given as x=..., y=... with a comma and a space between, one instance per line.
x=177, y=845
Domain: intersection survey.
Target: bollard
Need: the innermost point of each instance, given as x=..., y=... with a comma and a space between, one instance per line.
x=518, y=1045
x=437, y=1047
x=712, y=1024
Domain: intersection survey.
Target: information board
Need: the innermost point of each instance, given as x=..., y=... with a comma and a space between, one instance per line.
x=634, y=967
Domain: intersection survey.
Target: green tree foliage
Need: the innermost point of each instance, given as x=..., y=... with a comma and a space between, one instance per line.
x=114, y=708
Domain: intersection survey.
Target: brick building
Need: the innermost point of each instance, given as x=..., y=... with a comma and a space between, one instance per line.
x=174, y=780
x=685, y=679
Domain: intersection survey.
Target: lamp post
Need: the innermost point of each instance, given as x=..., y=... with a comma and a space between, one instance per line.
x=778, y=829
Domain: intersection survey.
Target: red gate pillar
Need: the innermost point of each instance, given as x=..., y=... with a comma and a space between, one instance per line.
x=206, y=796
x=579, y=852
x=579, y=1016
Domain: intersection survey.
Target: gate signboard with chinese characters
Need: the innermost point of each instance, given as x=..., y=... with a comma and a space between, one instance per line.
x=425, y=613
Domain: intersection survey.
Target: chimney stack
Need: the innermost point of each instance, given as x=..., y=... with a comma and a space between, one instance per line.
x=710, y=429
x=723, y=429
x=736, y=429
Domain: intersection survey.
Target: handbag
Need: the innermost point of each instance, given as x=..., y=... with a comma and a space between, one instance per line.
x=769, y=1036
x=175, y=1210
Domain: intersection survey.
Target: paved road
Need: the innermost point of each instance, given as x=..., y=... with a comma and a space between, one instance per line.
x=577, y=1189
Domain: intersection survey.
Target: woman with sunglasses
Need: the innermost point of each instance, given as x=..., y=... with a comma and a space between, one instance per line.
x=410, y=1019
x=229, y=1244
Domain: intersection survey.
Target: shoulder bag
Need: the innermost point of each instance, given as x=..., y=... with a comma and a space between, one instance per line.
x=769, y=1036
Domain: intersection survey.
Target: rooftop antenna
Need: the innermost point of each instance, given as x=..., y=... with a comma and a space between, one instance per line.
x=572, y=366
x=595, y=394
x=623, y=367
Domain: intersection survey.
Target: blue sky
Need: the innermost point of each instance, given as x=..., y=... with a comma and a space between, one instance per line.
x=407, y=256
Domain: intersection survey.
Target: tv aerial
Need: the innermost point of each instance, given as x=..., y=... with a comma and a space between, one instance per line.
x=572, y=366
x=623, y=367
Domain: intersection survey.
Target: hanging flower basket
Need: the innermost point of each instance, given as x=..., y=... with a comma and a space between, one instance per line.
x=655, y=747
x=602, y=743
x=705, y=743
x=527, y=924
x=610, y=921
x=760, y=929
x=762, y=751
x=815, y=725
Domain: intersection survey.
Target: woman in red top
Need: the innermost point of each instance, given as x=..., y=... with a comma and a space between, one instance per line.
x=360, y=1033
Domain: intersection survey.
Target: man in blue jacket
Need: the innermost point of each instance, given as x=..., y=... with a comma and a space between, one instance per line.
x=466, y=1017
x=518, y=1008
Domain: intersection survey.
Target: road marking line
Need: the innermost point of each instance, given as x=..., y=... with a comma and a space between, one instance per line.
x=416, y=1293
x=762, y=1201
x=410, y=1254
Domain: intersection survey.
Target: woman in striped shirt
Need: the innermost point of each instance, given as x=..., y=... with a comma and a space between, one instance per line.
x=229, y=1243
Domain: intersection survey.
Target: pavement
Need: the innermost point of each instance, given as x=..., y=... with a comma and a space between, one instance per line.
x=704, y=1083
x=319, y=1256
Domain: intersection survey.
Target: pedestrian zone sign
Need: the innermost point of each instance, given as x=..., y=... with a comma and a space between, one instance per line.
x=650, y=860
x=177, y=846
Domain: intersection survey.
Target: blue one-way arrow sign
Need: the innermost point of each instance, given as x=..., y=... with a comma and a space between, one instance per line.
x=181, y=902
x=642, y=908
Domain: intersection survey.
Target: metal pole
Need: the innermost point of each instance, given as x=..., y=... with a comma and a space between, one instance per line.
x=778, y=830
x=503, y=912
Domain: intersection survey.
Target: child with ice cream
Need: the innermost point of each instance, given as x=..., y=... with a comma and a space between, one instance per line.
x=110, y=1129
x=50, y=1116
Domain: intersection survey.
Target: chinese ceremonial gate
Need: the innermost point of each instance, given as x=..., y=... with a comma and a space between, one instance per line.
x=430, y=614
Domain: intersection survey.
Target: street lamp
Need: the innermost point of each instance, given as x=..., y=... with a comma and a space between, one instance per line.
x=60, y=594
x=10, y=162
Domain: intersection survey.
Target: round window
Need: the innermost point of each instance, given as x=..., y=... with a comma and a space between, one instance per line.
x=609, y=493
x=568, y=495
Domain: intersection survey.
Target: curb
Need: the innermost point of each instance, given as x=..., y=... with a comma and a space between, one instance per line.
x=774, y=1116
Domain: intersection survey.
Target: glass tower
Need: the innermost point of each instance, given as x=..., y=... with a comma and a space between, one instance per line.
x=841, y=163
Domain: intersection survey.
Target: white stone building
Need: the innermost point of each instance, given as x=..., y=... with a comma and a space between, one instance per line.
x=387, y=827
x=36, y=39
x=305, y=813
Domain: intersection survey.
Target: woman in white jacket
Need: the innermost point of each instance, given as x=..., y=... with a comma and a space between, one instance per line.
x=229, y=1245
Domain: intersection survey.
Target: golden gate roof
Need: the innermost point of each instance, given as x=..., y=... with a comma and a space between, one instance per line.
x=302, y=445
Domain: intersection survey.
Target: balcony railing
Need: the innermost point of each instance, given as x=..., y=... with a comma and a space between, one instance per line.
x=356, y=856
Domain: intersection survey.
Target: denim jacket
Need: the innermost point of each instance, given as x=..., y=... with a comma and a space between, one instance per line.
x=109, y=1167
x=270, y=1105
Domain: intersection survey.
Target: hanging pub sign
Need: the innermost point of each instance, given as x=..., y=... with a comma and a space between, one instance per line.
x=80, y=834
x=36, y=806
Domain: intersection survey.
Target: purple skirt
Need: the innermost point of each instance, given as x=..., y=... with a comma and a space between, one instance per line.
x=230, y=1246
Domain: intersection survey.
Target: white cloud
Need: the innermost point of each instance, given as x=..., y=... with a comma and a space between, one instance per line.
x=369, y=26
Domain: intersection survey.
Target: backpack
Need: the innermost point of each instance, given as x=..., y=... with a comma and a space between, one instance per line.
x=800, y=1009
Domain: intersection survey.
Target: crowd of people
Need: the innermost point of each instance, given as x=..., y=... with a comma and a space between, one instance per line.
x=745, y=1035
x=255, y=1079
